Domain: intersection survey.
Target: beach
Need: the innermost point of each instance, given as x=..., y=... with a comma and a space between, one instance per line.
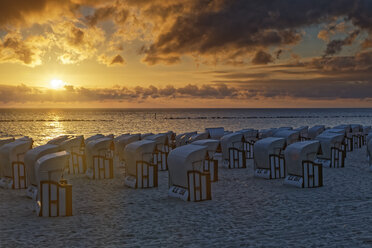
x=244, y=212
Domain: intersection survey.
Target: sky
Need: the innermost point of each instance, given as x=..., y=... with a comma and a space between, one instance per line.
x=185, y=53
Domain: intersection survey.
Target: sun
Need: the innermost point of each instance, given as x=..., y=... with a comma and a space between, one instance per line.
x=56, y=84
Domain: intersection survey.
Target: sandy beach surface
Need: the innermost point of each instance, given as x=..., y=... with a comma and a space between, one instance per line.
x=244, y=212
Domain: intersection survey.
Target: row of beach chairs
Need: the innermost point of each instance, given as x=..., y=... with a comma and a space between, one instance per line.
x=192, y=160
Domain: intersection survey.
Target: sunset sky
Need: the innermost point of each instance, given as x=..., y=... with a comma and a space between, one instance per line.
x=186, y=53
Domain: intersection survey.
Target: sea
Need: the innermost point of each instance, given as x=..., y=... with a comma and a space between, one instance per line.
x=45, y=124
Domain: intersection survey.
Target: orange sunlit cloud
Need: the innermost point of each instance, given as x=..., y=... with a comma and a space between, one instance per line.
x=79, y=53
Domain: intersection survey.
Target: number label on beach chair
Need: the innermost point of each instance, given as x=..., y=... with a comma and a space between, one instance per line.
x=292, y=180
x=178, y=192
x=262, y=173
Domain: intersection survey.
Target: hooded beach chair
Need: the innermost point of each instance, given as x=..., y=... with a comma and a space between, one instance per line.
x=75, y=145
x=302, y=170
x=99, y=158
x=140, y=169
x=121, y=143
x=54, y=195
x=348, y=140
x=315, y=131
x=332, y=150
x=303, y=133
x=161, y=150
x=290, y=136
x=210, y=163
x=198, y=136
x=215, y=132
x=250, y=137
x=187, y=178
x=12, y=168
x=233, y=153
x=30, y=159
x=268, y=159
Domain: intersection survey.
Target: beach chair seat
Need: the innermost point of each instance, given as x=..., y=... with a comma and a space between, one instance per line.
x=99, y=158
x=210, y=163
x=332, y=150
x=302, y=170
x=75, y=145
x=233, y=153
x=366, y=130
x=141, y=171
x=30, y=159
x=12, y=168
x=357, y=135
x=187, y=178
x=269, y=162
x=54, y=197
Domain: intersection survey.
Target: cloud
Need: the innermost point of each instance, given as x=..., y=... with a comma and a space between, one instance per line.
x=335, y=46
x=262, y=58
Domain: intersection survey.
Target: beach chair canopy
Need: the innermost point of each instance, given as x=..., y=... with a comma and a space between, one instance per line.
x=198, y=136
x=298, y=152
x=97, y=136
x=249, y=134
x=211, y=145
x=72, y=143
x=231, y=140
x=12, y=152
x=58, y=140
x=336, y=130
x=32, y=156
x=183, y=159
x=98, y=147
x=160, y=139
x=315, y=131
x=144, y=135
x=304, y=130
x=290, y=136
x=50, y=167
x=6, y=140
x=327, y=141
x=121, y=143
x=346, y=127
x=265, y=133
x=215, y=132
x=141, y=150
x=264, y=148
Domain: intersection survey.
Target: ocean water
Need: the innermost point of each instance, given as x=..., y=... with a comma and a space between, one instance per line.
x=45, y=124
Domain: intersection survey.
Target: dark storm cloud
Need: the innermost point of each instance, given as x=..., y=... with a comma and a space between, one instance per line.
x=335, y=46
x=262, y=58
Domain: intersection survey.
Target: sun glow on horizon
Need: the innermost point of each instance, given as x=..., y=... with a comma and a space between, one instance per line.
x=56, y=84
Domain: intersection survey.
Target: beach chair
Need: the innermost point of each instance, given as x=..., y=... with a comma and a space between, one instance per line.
x=345, y=143
x=302, y=169
x=4, y=141
x=348, y=141
x=58, y=140
x=210, y=163
x=198, y=136
x=161, y=150
x=54, y=195
x=369, y=153
x=303, y=133
x=141, y=171
x=250, y=137
x=290, y=136
x=233, y=153
x=12, y=168
x=332, y=151
x=121, y=143
x=265, y=133
x=187, y=178
x=183, y=138
x=75, y=145
x=315, y=131
x=269, y=162
x=99, y=155
x=366, y=130
x=215, y=132
x=356, y=135
x=30, y=159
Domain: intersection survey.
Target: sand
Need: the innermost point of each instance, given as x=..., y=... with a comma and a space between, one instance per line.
x=244, y=211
